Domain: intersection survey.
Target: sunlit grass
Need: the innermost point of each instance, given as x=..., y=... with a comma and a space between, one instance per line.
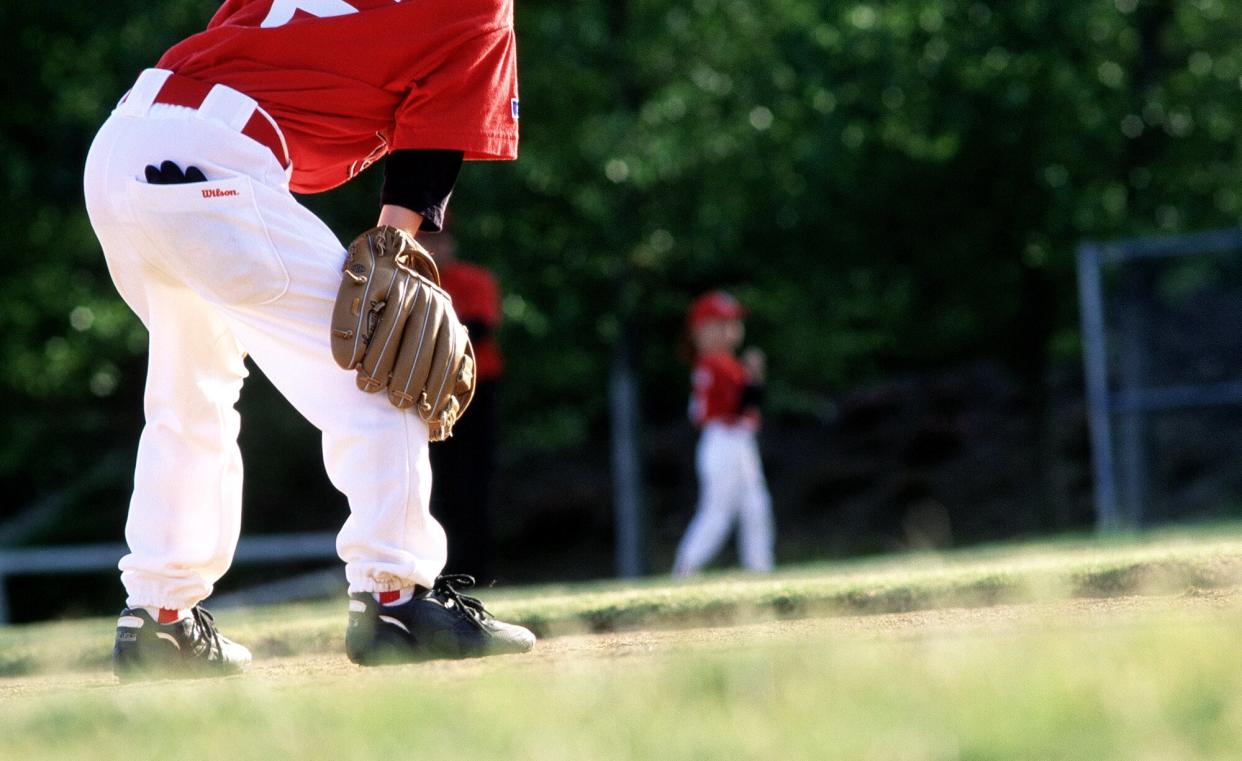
x=1151, y=689
x=1163, y=685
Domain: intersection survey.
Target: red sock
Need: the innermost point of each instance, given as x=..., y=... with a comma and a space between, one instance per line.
x=394, y=597
x=167, y=615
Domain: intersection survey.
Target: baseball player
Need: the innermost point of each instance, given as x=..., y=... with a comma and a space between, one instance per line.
x=188, y=186
x=724, y=404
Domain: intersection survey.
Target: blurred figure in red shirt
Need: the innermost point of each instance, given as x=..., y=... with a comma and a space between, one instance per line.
x=463, y=466
x=724, y=404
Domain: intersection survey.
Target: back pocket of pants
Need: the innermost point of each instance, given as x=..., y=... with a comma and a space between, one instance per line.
x=212, y=237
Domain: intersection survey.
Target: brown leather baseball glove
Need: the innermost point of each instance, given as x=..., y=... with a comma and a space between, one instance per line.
x=395, y=325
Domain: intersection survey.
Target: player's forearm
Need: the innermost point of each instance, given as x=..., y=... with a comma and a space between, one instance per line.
x=399, y=216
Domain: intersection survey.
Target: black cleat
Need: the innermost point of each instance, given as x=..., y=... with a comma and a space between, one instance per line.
x=436, y=623
x=190, y=647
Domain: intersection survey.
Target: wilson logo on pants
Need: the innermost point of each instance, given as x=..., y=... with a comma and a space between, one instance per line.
x=217, y=193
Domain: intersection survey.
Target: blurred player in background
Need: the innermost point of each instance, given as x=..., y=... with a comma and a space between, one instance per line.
x=464, y=465
x=725, y=406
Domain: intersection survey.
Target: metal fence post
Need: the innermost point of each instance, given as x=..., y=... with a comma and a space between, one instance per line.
x=1095, y=364
x=627, y=486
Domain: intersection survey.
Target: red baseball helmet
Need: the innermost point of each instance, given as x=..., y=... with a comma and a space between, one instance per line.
x=714, y=305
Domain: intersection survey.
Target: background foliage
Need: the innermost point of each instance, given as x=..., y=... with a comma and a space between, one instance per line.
x=891, y=186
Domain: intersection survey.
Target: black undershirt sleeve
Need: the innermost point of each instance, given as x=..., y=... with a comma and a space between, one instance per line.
x=478, y=330
x=421, y=180
x=752, y=397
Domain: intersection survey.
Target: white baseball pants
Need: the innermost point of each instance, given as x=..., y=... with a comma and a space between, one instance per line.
x=731, y=488
x=218, y=270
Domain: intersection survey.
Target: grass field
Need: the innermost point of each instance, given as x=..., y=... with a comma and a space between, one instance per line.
x=1079, y=649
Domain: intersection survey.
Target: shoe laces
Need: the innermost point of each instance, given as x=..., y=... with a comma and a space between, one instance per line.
x=445, y=589
x=206, y=625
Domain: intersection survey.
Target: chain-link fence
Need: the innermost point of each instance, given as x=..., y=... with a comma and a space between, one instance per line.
x=1162, y=345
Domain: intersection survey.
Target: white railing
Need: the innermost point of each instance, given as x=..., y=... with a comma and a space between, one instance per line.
x=87, y=558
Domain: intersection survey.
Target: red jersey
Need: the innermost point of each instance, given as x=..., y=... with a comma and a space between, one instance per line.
x=476, y=298
x=349, y=81
x=717, y=385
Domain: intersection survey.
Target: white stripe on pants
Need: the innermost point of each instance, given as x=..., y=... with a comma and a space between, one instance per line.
x=217, y=270
x=731, y=486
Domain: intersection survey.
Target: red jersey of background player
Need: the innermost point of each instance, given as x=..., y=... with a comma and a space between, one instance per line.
x=348, y=82
x=718, y=384
x=476, y=299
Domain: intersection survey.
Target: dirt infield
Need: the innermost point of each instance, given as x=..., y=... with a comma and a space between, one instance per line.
x=568, y=651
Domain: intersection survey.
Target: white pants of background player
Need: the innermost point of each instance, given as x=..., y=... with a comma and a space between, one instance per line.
x=216, y=271
x=731, y=487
